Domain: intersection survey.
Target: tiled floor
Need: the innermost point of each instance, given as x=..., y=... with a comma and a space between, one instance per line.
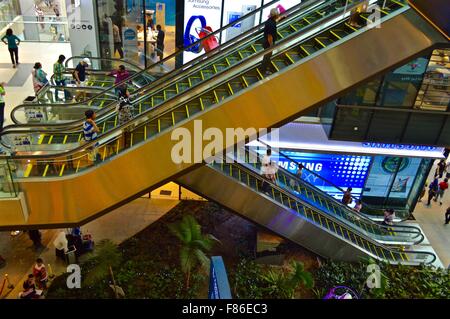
x=20, y=78
x=117, y=226
x=431, y=220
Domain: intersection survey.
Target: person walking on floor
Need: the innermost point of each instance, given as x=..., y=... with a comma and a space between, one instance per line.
x=447, y=216
x=443, y=186
x=35, y=236
x=58, y=74
x=441, y=166
x=117, y=41
x=160, y=42
x=13, y=46
x=433, y=190
x=423, y=192
x=270, y=38
x=2, y=104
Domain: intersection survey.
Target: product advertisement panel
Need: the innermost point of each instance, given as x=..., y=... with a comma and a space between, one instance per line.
x=383, y=172
x=201, y=17
x=343, y=170
x=234, y=10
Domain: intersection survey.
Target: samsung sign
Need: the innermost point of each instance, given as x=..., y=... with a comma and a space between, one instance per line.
x=400, y=146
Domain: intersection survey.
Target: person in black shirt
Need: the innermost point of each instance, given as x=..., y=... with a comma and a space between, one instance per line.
x=160, y=42
x=270, y=37
x=80, y=78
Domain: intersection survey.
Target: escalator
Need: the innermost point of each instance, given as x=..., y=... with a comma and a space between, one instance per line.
x=302, y=18
x=310, y=68
x=238, y=187
x=99, y=89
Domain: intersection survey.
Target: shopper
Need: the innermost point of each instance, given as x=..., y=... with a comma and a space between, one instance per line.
x=267, y=170
x=121, y=75
x=39, y=77
x=90, y=132
x=447, y=216
x=358, y=206
x=90, y=129
x=151, y=23
x=298, y=174
x=389, y=215
x=270, y=37
x=117, y=41
x=35, y=236
x=125, y=114
x=433, y=190
x=441, y=166
x=423, y=192
x=40, y=274
x=355, y=14
x=58, y=75
x=29, y=288
x=2, y=104
x=13, y=46
x=160, y=42
x=80, y=77
x=347, y=197
x=443, y=186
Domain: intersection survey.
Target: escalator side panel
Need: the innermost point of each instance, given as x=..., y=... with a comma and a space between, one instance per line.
x=74, y=199
x=238, y=198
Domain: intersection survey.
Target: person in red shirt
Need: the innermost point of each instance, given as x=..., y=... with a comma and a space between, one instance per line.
x=443, y=186
x=40, y=273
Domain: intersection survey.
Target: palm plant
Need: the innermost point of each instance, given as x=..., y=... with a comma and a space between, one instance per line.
x=107, y=255
x=283, y=284
x=194, y=245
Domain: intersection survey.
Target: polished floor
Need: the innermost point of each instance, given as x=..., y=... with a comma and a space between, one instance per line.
x=18, y=81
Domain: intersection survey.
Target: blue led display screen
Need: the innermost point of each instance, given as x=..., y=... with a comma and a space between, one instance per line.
x=343, y=170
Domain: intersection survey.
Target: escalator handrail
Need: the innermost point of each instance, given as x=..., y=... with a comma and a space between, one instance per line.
x=326, y=216
x=346, y=208
x=75, y=125
x=205, y=84
x=163, y=80
x=331, y=183
x=66, y=63
x=199, y=58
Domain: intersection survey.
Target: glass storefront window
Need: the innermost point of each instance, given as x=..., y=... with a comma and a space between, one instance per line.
x=395, y=181
x=35, y=20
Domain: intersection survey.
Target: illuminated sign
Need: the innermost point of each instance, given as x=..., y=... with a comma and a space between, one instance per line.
x=341, y=170
x=219, y=287
x=400, y=146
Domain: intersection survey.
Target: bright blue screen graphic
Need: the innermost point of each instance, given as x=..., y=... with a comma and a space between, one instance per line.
x=343, y=170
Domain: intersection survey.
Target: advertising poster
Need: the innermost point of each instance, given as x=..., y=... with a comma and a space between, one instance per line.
x=383, y=173
x=82, y=28
x=200, y=17
x=234, y=10
x=342, y=170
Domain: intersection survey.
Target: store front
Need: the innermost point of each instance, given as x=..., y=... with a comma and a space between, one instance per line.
x=35, y=20
x=124, y=24
x=382, y=175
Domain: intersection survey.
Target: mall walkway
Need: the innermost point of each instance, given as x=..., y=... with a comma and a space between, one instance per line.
x=117, y=226
x=431, y=219
x=18, y=81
